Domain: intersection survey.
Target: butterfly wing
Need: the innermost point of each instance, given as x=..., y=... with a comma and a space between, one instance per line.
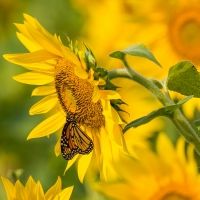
x=74, y=141
x=81, y=140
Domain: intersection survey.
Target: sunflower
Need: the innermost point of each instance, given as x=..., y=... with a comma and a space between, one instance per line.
x=169, y=174
x=169, y=28
x=33, y=190
x=71, y=83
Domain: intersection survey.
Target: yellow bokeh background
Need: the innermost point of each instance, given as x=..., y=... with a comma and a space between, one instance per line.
x=169, y=29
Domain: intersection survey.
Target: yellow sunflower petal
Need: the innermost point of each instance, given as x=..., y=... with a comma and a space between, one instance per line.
x=65, y=194
x=55, y=189
x=81, y=54
x=94, y=82
x=180, y=149
x=34, y=78
x=30, y=187
x=31, y=20
x=9, y=187
x=83, y=164
x=115, y=116
x=96, y=94
x=57, y=148
x=101, y=82
x=48, y=126
x=109, y=127
x=192, y=165
x=30, y=45
x=91, y=75
x=80, y=72
x=69, y=55
x=109, y=111
x=57, y=38
x=71, y=162
x=20, y=191
x=39, y=67
x=39, y=191
x=34, y=57
x=44, y=105
x=43, y=67
x=97, y=149
x=164, y=145
x=106, y=148
x=115, y=133
x=145, y=156
x=43, y=91
x=125, y=170
x=46, y=33
x=22, y=29
x=112, y=189
x=109, y=94
x=41, y=32
x=47, y=43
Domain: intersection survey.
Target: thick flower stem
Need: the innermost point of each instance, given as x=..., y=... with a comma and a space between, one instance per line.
x=180, y=122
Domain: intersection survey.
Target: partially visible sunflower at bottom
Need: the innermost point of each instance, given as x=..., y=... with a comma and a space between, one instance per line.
x=34, y=191
x=168, y=175
x=76, y=87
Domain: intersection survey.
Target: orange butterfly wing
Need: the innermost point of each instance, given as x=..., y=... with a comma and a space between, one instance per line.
x=74, y=140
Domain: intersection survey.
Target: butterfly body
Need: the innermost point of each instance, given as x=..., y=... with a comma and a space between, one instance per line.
x=74, y=140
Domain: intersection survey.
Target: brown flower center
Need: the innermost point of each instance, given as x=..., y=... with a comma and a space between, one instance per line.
x=176, y=192
x=75, y=96
x=184, y=31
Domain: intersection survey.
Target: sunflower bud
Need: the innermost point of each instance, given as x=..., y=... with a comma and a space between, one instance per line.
x=90, y=59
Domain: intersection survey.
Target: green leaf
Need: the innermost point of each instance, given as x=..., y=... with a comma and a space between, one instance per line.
x=118, y=101
x=184, y=78
x=197, y=124
x=117, y=108
x=102, y=72
x=135, y=50
x=111, y=86
x=166, y=111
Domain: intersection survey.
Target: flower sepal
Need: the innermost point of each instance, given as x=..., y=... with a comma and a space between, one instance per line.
x=90, y=59
x=115, y=103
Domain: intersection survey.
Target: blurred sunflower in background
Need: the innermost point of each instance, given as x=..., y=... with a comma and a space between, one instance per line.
x=170, y=29
x=33, y=190
x=165, y=175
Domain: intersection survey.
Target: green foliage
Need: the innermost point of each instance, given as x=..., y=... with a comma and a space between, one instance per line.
x=166, y=111
x=115, y=103
x=156, y=82
x=184, y=78
x=197, y=124
x=110, y=86
x=90, y=59
x=135, y=50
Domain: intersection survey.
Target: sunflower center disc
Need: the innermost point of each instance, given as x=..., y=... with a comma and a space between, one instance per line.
x=184, y=31
x=75, y=96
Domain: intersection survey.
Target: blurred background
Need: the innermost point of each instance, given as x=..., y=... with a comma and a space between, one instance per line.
x=170, y=29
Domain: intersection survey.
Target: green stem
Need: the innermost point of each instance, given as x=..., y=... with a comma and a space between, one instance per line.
x=180, y=122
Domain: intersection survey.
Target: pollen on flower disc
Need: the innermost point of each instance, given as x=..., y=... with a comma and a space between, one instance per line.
x=75, y=96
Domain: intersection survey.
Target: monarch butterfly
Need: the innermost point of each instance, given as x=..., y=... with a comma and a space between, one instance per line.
x=74, y=140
